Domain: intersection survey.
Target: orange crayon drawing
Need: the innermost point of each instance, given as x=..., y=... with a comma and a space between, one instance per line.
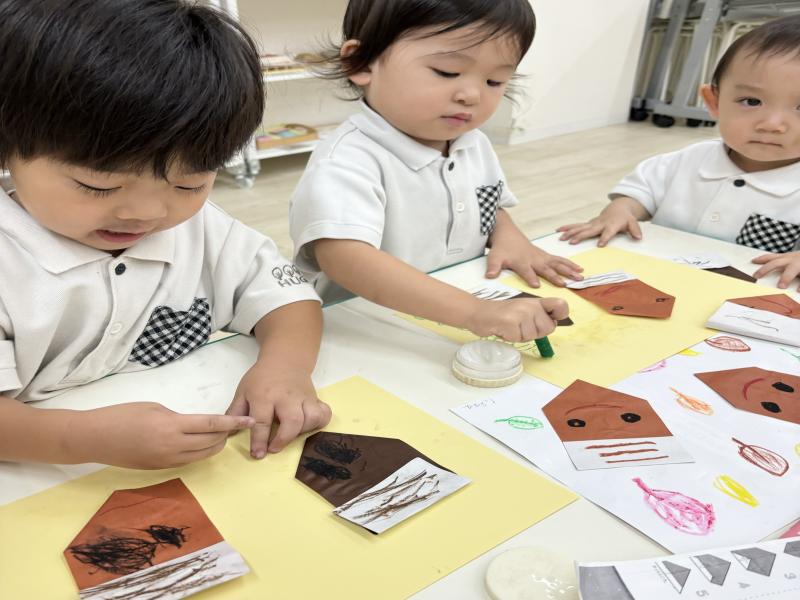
x=693, y=403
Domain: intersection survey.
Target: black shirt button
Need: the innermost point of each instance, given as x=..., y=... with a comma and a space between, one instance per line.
x=120, y=269
x=739, y=182
x=451, y=166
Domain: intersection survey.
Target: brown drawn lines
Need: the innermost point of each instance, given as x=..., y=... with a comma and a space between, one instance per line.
x=627, y=448
x=173, y=579
x=767, y=460
x=393, y=497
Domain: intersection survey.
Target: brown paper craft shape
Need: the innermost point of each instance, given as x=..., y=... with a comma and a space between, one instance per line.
x=603, y=428
x=151, y=538
x=780, y=304
x=632, y=298
x=758, y=391
x=732, y=272
x=348, y=469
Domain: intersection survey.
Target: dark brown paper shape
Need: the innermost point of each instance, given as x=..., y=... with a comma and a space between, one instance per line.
x=732, y=272
x=561, y=323
x=139, y=518
x=584, y=411
x=758, y=391
x=780, y=304
x=633, y=298
x=340, y=466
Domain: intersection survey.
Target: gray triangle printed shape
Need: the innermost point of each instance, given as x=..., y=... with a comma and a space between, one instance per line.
x=677, y=575
x=712, y=567
x=755, y=560
x=792, y=548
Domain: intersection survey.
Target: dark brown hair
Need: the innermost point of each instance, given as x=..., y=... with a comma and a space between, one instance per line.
x=119, y=85
x=774, y=38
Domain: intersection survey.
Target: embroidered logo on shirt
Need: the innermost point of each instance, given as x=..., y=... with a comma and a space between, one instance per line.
x=169, y=334
x=488, y=201
x=288, y=275
x=770, y=235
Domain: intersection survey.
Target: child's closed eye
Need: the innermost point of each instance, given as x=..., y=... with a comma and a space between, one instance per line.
x=96, y=191
x=445, y=74
x=494, y=83
x=190, y=190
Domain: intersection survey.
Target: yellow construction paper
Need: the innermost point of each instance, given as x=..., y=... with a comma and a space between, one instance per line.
x=297, y=549
x=603, y=348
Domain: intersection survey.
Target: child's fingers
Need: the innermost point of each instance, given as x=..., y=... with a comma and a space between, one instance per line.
x=191, y=456
x=193, y=442
x=768, y=268
x=556, y=308
x=263, y=412
x=634, y=229
x=317, y=414
x=609, y=231
x=568, y=268
x=529, y=276
x=291, y=421
x=589, y=231
x=214, y=423
x=764, y=258
x=494, y=264
x=237, y=408
x=789, y=273
x=552, y=276
x=545, y=325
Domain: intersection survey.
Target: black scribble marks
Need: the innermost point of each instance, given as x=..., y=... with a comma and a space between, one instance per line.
x=184, y=576
x=757, y=322
x=125, y=555
x=397, y=495
x=490, y=294
x=338, y=451
x=326, y=469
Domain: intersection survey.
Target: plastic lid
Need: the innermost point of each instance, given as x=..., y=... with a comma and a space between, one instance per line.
x=487, y=363
x=531, y=574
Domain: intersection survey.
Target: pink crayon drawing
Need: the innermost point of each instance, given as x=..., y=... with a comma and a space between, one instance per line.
x=656, y=367
x=771, y=462
x=684, y=513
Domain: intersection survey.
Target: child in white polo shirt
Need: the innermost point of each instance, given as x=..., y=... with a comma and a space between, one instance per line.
x=409, y=184
x=114, y=117
x=744, y=188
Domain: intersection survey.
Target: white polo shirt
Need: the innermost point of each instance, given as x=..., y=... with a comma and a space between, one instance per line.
x=699, y=189
x=71, y=314
x=370, y=182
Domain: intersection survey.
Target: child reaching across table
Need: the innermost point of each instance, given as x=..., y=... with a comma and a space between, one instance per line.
x=744, y=188
x=409, y=184
x=114, y=117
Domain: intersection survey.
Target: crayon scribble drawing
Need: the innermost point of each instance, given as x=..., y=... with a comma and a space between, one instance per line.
x=692, y=403
x=726, y=342
x=730, y=487
x=656, y=367
x=522, y=422
x=758, y=391
x=683, y=513
x=767, y=460
x=602, y=428
x=152, y=542
x=372, y=481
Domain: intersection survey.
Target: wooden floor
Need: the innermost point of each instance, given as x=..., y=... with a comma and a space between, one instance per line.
x=558, y=180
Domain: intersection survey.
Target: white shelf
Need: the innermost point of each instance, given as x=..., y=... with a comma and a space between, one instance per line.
x=299, y=148
x=291, y=76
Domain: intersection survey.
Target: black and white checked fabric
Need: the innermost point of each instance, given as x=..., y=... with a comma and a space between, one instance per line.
x=770, y=235
x=170, y=334
x=488, y=200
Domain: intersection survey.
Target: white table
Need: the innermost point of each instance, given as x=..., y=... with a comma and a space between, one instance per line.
x=363, y=339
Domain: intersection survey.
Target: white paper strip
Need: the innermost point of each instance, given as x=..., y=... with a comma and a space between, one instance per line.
x=626, y=452
x=601, y=279
x=410, y=489
x=760, y=324
x=701, y=261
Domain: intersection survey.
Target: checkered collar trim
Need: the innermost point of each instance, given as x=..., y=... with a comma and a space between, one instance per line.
x=776, y=182
x=415, y=155
x=57, y=254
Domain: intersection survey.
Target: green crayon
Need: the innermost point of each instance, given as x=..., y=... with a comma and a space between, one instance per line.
x=545, y=349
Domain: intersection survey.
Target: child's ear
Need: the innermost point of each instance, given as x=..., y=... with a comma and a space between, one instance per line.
x=711, y=98
x=362, y=78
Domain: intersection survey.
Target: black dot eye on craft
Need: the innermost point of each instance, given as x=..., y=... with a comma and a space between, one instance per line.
x=576, y=423
x=617, y=307
x=771, y=407
x=630, y=417
x=783, y=387
x=661, y=299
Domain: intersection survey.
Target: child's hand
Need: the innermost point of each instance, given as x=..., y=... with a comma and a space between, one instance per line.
x=528, y=261
x=622, y=215
x=288, y=398
x=146, y=435
x=789, y=263
x=518, y=320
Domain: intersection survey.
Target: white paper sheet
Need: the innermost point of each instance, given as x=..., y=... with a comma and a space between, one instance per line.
x=599, y=279
x=672, y=390
x=750, y=572
x=752, y=322
x=701, y=261
x=410, y=489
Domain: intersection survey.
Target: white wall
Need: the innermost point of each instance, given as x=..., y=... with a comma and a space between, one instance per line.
x=581, y=67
